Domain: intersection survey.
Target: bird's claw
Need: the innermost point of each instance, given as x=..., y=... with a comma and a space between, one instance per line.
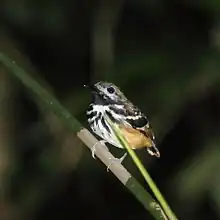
x=93, y=148
x=93, y=151
x=116, y=160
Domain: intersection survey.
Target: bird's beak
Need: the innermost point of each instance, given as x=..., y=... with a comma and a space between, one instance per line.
x=91, y=87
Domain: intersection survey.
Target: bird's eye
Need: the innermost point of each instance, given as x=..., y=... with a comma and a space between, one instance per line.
x=111, y=89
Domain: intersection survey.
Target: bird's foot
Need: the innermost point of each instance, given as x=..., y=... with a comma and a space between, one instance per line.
x=116, y=160
x=93, y=148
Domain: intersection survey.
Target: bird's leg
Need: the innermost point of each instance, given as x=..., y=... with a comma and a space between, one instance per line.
x=93, y=148
x=123, y=157
x=117, y=160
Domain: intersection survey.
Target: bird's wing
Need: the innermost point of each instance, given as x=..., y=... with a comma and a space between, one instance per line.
x=130, y=115
x=134, y=124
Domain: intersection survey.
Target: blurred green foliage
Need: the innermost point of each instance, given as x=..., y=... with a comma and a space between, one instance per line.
x=165, y=57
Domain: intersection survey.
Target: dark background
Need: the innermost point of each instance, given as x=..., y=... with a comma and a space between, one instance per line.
x=164, y=55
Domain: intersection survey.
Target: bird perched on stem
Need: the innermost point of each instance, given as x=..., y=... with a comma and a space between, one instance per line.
x=107, y=99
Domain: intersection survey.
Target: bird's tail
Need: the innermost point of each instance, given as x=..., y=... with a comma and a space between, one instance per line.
x=153, y=151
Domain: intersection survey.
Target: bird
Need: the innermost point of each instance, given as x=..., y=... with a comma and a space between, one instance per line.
x=108, y=100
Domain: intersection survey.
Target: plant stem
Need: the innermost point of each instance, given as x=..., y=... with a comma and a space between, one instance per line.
x=144, y=172
x=74, y=125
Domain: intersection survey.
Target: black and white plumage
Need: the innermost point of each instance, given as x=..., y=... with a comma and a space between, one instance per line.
x=107, y=99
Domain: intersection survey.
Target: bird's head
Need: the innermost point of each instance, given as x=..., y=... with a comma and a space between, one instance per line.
x=106, y=93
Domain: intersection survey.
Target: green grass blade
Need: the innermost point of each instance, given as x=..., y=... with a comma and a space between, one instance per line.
x=143, y=171
x=52, y=104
